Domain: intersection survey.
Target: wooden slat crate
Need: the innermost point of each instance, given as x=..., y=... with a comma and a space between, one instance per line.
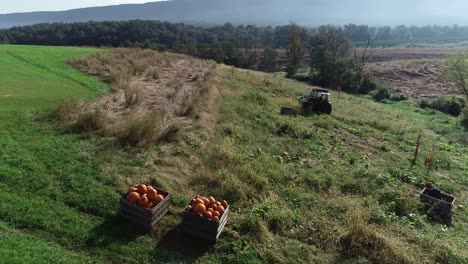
x=438, y=208
x=203, y=228
x=145, y=217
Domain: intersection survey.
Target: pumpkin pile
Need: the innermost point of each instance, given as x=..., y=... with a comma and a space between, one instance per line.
x=207, y=207
x=144, y=195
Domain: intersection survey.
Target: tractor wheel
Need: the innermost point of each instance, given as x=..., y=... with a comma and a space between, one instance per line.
x=327, y=108
x=308, y=107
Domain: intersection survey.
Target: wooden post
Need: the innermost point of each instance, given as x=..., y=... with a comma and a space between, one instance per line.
x=418, y=145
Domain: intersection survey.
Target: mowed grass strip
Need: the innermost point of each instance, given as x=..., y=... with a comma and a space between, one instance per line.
x=32, y=77
x=54, y=207
x=19, y=247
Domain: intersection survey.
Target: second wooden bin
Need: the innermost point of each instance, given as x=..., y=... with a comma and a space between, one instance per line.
x=142, y=216
x=203, y=228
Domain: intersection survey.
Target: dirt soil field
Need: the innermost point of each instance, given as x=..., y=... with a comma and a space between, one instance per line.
x=390, y=54
x=415, y=79
x=415, y=73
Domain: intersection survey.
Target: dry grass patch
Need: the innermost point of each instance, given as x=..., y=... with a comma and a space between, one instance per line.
x=92, y=120
x=363, y=238
x=155, y=95
x=138, y=130
x=68, y=111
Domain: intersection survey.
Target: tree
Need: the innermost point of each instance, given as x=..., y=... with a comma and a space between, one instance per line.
x=360, y=60
x=269, y=61
x=456, y=71
x=296, y=50
x=329, y=52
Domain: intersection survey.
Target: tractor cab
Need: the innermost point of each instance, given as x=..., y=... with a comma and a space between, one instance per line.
x=317, y=94
x=320, y=94
x=317, y=101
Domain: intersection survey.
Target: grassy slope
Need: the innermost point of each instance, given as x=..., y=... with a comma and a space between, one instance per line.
x=285, y=209
x=356, y=160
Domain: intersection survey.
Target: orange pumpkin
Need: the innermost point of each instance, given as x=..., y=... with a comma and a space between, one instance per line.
x=224, y=204
x=216, y=213
x=158, y=199
x=199, y=200
x=152, y=193
x=132, y=189
x=220, y=209
x=144, y=201
x=133, y=197
x=208, y=215
x=212, y=200
x=142, y=189
x=200, y=209
x=206, y=201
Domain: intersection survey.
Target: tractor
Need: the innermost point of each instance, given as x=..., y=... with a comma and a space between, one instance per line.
x=316, y=102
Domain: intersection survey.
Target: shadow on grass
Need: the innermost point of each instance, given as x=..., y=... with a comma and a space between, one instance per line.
x=114, y=229
x=175, y=244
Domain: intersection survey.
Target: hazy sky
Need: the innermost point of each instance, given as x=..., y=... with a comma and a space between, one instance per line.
x=11, y=6
x=374, y=12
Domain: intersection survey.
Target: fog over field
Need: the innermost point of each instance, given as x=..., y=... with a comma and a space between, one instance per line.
x=260, y=12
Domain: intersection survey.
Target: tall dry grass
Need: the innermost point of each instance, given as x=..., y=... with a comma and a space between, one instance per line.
x=364, y=238
x=92, y=120
x=68, y=111
x=144, y=84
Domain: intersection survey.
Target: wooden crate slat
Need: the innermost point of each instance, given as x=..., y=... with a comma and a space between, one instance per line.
x=144, y=216
x=204, y=228
x=440, y=208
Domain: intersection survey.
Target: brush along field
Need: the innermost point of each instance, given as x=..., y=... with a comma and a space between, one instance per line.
x=329, y=189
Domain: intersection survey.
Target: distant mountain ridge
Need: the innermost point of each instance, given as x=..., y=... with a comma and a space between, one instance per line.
x=258, y=12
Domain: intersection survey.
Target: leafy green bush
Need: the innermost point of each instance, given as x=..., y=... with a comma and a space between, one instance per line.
x=424, y=103
x=450, y=105
x=381, y=93
x=398, y=97
x=301, y=77
x=464, y=120
x=368, y=85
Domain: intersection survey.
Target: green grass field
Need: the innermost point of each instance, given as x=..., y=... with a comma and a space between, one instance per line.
x=39, y=76
x=59, y=190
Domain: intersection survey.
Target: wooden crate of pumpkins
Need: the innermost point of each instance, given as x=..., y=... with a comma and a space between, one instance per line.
x=144, y=205
x=205, y=218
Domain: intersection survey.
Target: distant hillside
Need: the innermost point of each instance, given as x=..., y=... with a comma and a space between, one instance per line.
x=188, y=11
x=260, y=12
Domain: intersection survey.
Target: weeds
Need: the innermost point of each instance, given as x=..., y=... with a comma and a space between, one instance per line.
x=68, y=111
x=93, y=120
x=139, y=130
x=133, y=96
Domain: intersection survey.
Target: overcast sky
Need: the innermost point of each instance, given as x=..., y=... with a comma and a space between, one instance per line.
x=374, y=12
x=12, y=6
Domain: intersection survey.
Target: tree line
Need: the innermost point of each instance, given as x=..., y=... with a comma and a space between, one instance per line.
x=142, y=32
x=242, y=46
